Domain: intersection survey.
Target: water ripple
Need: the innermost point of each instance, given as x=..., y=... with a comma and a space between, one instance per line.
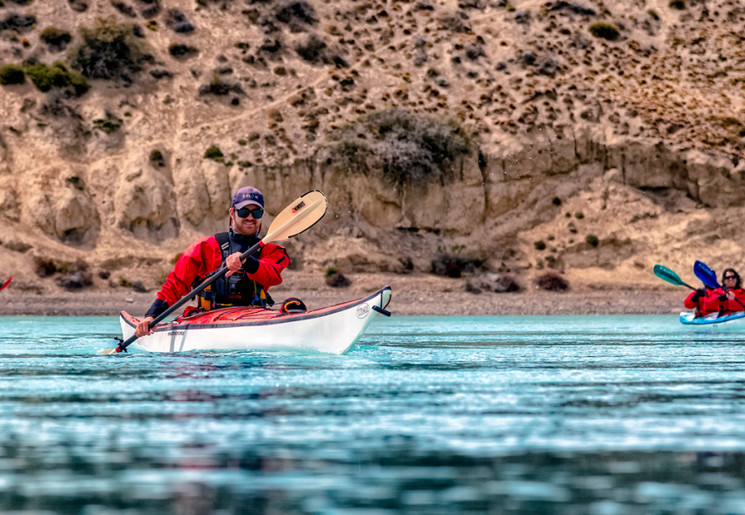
x=424, y=414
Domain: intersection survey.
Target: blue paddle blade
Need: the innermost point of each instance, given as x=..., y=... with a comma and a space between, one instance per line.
x=705, y=274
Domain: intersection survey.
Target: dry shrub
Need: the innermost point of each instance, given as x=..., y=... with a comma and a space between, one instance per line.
x=157, y=159
x=405, y=147
x=78, y=6
x=125, y=9
x=455, y=266
x=605, y=31
x=506, y=283
x=45, y=267
x=312, y=50
x=12, y=74
x=219, y=87
x=18, y=23
x=150, y=9
x=110, y=51
x=74, y=276
x=552, y=281
x=296, y=14
x=177, y=21
x=57, y=39
x=337, y=280
x=139, y=286
x=497, y=283
x=181, y=50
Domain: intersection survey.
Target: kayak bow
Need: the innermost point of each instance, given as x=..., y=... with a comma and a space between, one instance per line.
x=6, y=283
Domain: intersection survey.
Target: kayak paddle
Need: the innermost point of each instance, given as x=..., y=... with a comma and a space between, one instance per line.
x=6, y=283
x=709, y=278
x=706, y=275
x=302, y=214
x=669, y=276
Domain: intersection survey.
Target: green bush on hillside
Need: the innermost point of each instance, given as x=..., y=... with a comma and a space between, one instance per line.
x=57, y=39
x=110, y=51
x=157, y=159
x=12, y=74
x=108, y=124
x=57, y=76
x=605, y=31
x=404, y=146
x=214, y=153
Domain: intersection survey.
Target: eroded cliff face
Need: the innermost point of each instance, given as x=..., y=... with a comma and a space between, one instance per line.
x=594, y=157
x=131, y=219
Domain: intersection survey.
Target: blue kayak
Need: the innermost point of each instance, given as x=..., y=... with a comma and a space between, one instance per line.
x=730, y=321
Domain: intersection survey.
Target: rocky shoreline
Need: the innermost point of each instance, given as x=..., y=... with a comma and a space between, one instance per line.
x=412, y=295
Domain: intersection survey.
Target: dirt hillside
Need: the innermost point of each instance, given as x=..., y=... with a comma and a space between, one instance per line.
x=491, y=141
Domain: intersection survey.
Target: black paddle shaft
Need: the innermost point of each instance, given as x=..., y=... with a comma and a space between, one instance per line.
x=186, y=298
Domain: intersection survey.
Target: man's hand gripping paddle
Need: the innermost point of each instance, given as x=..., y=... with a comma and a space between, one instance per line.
x=302, y=214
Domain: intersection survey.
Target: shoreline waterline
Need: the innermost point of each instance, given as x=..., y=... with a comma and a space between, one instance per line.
x=406, y=302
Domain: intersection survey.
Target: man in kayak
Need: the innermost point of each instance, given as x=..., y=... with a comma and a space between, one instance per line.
x=246, y=282
x=730, y=298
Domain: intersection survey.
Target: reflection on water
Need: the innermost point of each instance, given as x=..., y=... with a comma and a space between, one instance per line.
x=598, y=415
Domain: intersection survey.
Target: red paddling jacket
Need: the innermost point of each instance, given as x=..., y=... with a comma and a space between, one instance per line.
x=717, y=301
x=207, y=255
x=697, y=300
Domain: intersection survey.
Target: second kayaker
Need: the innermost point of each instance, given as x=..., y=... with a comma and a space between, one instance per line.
x=245, y=284
x=730, y=297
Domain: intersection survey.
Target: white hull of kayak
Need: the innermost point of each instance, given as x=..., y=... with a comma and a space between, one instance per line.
x=731, y=322
x=330, y=330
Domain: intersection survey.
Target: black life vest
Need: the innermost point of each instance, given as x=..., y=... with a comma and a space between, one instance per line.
x=236, y=290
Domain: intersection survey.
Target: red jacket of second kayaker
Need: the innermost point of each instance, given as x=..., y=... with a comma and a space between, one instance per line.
x=713, y=303
x=697, y=301
x=204, y=256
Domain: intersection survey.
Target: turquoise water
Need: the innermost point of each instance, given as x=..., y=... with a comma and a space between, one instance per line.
x=597, y=415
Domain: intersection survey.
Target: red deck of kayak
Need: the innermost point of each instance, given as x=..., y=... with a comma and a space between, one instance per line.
x=242, y=314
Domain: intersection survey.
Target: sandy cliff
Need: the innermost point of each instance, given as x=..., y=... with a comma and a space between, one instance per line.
x=597, y=138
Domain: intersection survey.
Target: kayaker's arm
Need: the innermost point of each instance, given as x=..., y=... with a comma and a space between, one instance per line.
x=198, y=260
x=158, y=307
x=267, y=271
x=694, y=299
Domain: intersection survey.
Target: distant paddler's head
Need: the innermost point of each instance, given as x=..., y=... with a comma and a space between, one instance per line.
x=246, y=210
x=731, y=279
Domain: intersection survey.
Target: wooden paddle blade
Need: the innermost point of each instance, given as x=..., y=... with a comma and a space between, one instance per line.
x=705, y=274
x=302, y=214
x=667, y=275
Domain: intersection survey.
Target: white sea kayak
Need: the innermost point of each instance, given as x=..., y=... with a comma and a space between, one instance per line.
x=332, y=329
x=732, y=321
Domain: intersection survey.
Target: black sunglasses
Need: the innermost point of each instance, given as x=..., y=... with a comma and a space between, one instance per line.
x=730, y=277
x=256, y=212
